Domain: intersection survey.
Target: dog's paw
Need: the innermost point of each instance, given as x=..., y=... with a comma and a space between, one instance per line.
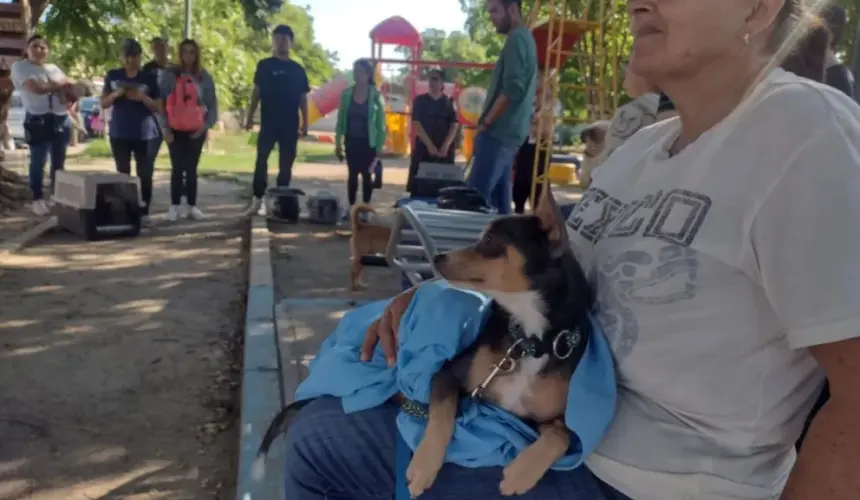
x=520, y=476
x=424, y=467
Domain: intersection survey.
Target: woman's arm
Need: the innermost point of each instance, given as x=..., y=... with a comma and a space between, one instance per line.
x=108, y=98
x=166, y=84
x=210, y=100
x=453, y=129
x=20, y=79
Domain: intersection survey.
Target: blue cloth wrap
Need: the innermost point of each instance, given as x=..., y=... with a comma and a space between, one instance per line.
x=440, y=322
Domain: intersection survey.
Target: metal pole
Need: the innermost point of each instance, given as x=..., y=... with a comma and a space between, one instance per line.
x=187, y=18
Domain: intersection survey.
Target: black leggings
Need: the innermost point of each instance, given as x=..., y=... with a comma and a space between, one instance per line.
x=359, y=156
x=184, y=158
x=523, y=176
x=144, y=161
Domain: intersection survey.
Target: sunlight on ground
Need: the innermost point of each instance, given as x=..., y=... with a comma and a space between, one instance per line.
x=142, y=306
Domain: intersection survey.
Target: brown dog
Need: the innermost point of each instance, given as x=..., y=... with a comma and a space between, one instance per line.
x=366, y=239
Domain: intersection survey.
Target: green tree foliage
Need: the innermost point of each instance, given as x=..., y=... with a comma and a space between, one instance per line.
x=230, y=46
x=579, y=73
x=616, y=41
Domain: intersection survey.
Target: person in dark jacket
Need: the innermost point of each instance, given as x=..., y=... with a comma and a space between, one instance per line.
x=435, y=124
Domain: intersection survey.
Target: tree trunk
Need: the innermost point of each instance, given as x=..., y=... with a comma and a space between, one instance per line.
x=18, y=18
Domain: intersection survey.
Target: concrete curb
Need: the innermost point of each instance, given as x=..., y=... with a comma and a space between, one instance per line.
x=262, y=395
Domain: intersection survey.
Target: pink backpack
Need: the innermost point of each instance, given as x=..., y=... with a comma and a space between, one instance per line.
x=184, y=112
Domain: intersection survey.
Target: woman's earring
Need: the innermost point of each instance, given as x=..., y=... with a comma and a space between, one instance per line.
x=746, y=38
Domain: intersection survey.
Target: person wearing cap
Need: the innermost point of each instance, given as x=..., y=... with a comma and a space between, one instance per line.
x=435, y=123
x=134, y=98
x=836, y=74
x=505, y=122
x=280, y=89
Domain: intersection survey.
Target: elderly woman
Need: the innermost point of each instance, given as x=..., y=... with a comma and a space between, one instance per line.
x=722, y=248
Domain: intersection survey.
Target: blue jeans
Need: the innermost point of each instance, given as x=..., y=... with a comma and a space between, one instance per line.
x=492, y=168
x=334, y=456
x=56, y=148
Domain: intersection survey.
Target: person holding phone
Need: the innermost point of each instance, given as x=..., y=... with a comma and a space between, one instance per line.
x=134, y=96
x=360, y=130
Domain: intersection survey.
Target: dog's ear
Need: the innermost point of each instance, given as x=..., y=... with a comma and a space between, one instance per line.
x=550, y=217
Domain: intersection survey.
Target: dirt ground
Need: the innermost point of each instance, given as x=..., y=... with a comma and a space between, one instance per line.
x=313, y=261
x=119, y=361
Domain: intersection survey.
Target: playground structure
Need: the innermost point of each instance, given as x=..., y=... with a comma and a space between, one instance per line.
x=587, y=34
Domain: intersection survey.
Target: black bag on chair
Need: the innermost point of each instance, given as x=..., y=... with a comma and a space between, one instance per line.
x=377, y=174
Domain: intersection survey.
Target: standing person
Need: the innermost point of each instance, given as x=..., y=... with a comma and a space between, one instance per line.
x=723, y=256
x=435, y=123
x=281, y=90
x=361, y=128
x=505, y=122
x=836, y=74
x=160, y=56
x=524, y=166
x=47, y=126
x=190, y=110
x=133, y=97
x=160, y=62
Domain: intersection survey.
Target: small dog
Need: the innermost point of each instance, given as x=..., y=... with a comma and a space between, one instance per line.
x=527, y=352
x=366, y=239
x=525, y=355
x=594, y=138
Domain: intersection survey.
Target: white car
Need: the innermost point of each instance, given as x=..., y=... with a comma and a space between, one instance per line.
x=15, y=120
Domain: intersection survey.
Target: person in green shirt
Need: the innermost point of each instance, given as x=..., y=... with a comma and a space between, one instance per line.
x=506, y=119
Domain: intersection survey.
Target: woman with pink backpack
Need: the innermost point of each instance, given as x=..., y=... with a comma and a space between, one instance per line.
x=190, y=110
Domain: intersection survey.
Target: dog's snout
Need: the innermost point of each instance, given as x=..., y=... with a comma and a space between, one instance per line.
x=439, y=259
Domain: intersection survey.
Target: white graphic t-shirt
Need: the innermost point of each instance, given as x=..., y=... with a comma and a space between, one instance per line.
x=715, y=269
x=38, y=104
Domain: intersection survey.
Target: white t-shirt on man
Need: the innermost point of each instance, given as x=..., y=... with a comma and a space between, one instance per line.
x=715, y=269
x=38, y=104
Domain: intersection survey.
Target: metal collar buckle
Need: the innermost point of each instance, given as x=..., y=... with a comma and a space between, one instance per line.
x=506, y=365
x=565, y=343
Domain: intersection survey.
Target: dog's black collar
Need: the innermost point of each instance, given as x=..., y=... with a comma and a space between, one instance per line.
x=560, y=343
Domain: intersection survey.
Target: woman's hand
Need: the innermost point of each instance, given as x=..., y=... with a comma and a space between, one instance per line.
x=338, y=151
x=384, y=330
x=168, y=137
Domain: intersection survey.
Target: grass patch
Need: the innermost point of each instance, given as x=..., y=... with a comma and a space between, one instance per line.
x=228, y=155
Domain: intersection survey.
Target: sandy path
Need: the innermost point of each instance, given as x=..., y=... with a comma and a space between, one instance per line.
x=117, y=371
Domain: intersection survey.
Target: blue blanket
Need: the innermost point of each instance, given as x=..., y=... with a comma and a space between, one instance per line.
x=440, y=322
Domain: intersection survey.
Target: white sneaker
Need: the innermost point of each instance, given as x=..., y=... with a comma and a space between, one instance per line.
x=195, y=213
x=255, y=208
x=40, y=208
x=173, y=213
